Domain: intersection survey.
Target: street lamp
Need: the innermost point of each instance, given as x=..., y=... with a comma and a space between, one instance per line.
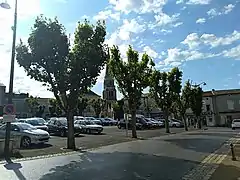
x=5, y=5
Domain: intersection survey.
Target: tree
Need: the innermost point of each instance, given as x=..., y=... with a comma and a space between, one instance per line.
x=33, y=105
x=184, y=102
x=132, y=77
x=40, y=111
x=54, y=109
x=165, y=89
x=98, y=106
x=196, y=103
x=67, y=71
x=82, y=105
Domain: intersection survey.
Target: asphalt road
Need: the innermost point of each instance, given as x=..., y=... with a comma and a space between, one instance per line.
x=159, y=158
x=110, y=135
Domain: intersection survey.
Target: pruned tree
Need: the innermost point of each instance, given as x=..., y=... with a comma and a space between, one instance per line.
x=132, y=77
x=165, y=89
x=184, y=102
x=40, y=111
x=82, y=105
x=54, y=109
x=67, y=72
x=32, y=104
x=196, y=103
x=98, y=106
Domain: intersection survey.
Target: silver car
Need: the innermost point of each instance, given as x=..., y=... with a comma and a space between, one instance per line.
x=27, y=133
x=88, y=127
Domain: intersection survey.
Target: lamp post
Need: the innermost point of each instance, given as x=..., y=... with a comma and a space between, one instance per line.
x=5, y=5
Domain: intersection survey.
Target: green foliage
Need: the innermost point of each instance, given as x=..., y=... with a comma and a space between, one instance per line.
x=54, y=109
x=68, y=73
x=196, y=101
x=82, y=105
x=132, y=77
x=32, y=103
x=165, y=89
x=98, y=105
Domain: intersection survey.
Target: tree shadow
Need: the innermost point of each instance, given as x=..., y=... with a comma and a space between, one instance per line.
x=10, y=165
x=212, y=134
x=228, y=172
x=121, y=166
x=198, y=144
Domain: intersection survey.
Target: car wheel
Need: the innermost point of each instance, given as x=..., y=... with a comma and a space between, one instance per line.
x=119, y=126
x=233, y=128
x=174, y=125
x=25, y=142
x=62, y=133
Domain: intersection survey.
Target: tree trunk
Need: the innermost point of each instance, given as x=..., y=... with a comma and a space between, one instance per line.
x=185, y=122
x=70, y=134
x=166, y=122
x=134, y=129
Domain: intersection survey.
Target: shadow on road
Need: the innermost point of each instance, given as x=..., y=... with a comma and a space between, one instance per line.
x=121, y=166
x=15, y=167
x=226, y=172
x=198, y=144
x=38, y=146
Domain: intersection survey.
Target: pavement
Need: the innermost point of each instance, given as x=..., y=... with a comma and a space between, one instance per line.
x=111, y=135
x=170, y=157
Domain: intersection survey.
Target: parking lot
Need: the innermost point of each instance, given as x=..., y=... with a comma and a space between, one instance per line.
x=110, y=135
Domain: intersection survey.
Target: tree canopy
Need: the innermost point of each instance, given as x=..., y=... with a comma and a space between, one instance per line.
x=67, y=71
x=132, y=77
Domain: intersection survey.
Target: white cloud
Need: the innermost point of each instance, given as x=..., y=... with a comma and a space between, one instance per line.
x=179, y=1
x=226, y=9
x=150, y=52
x=165, y=31
x=103, y=15
x=201, y=21
x=139, y=6
x=163, y=19
x=177, y=56
x=193, y=40
x=232, y=53
x=201, y=2
x=178, y=24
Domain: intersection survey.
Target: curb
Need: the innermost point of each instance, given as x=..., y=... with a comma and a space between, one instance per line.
x=210, y=163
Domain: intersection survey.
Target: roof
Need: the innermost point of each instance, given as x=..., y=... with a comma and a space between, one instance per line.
x=1, y=84
x=91, y=93
x=221, y=92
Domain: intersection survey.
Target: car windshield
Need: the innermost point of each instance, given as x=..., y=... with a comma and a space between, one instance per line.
x=26, y=126
x=236, y=120
x=36, y=122
x=90, y=122
x=63, y=121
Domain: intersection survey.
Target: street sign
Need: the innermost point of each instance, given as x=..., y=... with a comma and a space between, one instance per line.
x=9, y=109
x=8, y=118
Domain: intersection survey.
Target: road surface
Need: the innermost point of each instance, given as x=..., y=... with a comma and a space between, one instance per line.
x=160, y=158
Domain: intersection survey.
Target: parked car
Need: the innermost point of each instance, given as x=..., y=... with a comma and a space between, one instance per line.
x=175, y=123
x=88, y=127
x=122, y=125
x=28, y=134
x=94, y=120
x=156, y=124
x=235, y=123
x=111, y=121
x=104, y=121
x=58, y=126
x=38, y=123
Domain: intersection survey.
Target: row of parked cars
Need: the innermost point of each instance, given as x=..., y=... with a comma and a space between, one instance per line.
x=37, y=130
x=149, y=123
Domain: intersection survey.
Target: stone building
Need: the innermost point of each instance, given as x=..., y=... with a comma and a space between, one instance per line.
x=109, y=93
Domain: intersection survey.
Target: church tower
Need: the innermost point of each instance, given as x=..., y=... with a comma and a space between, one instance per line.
x=109, y=92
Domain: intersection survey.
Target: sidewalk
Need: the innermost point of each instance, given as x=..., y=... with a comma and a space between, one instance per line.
x=228, y=169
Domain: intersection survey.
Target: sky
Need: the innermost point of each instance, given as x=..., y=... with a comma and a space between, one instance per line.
x=201, y=37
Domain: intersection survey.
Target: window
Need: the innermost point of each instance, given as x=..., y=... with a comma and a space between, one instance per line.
x=15, y=128
x=210, y=119
x=51, y=122
x=208, y=107
x=230, y=104
x=3, y=127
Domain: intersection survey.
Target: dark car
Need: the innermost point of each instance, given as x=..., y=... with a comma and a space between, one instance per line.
x=104, y=122
x=89, y=127
x=111, y=121
x=122, y=125
x=38, y=123
x=58, y=126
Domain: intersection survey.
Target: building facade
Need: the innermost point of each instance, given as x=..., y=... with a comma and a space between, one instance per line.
x=109, y=93
x=220, y=107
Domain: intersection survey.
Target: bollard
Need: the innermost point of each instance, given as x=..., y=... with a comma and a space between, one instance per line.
x=232, y=151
